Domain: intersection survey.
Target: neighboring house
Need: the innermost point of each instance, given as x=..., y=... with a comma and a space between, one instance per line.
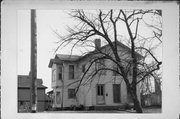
x=24, y=94
x=154, y=97
x=49, y=100
x=107, y=89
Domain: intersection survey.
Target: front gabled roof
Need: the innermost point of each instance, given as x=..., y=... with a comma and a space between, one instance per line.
x=118, y=44
x=24, y=82
x=61, y=57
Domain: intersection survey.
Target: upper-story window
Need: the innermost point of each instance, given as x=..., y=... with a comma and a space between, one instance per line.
x=60, y=72
x=53, y=75
x=71, y=71
x=99, y=65
x=83, y=68
x=116, y=70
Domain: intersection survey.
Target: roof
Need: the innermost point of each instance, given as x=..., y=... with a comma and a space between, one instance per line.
x=24, y=82
x=68, y=57
x=61, y=57
x=118, y=43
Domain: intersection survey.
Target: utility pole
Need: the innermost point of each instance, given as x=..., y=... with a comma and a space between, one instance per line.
x=33, y=72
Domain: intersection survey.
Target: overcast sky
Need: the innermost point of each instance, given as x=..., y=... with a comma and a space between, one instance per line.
x=47, y=20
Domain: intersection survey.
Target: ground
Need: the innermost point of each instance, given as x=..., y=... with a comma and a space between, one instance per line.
x=145, y=110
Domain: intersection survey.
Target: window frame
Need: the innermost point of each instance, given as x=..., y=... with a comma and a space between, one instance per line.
x=70, y=94
x=83, y=68
x=116, y=69
x=72, y=73
x=100, y=64
x=58, y=102
x=100, y=89
x=53, y=75
x=60, y=73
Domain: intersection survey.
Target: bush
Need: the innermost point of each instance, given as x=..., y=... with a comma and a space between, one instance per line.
x=128, y=106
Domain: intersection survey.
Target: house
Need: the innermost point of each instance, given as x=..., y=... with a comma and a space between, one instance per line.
x=154, y=97
x=105, y=90
x=49, y=100
x=24, y=94
x=151, y=99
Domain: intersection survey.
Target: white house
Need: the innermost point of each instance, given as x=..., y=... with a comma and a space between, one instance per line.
x=104, y=89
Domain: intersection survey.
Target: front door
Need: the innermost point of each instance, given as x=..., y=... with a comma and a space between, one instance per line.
x=116, y=93
x=100, y=94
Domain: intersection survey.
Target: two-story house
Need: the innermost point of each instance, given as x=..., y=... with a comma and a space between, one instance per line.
x=107, y=88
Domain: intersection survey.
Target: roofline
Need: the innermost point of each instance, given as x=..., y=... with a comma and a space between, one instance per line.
x=22, y=87
x=119, y=43
x=28, y=76
x=41, y=85
x=57, y=61
x=129, y=49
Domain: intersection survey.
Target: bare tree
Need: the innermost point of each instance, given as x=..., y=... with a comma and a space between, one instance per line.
x=107, y=24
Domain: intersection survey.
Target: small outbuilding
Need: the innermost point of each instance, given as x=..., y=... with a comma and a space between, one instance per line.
x=24, y=94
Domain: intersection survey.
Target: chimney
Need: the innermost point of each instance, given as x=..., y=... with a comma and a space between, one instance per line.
x=97, y=43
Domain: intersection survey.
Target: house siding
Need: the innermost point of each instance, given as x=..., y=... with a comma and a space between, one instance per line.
x=87, y=95
x=24, y=96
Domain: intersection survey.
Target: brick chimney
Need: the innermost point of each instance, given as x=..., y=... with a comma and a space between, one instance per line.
x=97, y=43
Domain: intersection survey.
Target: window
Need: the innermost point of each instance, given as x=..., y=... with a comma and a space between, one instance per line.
x=100, y=89
x=99, y=65
x=83, y=68
x=53, y=98
x=114, y=72
x=21, y=103
x=71, y=93
x=58, y=98
x=53, y=75
x=60, y=72
x=71, y=71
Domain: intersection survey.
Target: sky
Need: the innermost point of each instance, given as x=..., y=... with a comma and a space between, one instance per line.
x=47, y=21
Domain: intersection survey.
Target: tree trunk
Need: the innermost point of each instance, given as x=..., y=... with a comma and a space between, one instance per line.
x=137, y=105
